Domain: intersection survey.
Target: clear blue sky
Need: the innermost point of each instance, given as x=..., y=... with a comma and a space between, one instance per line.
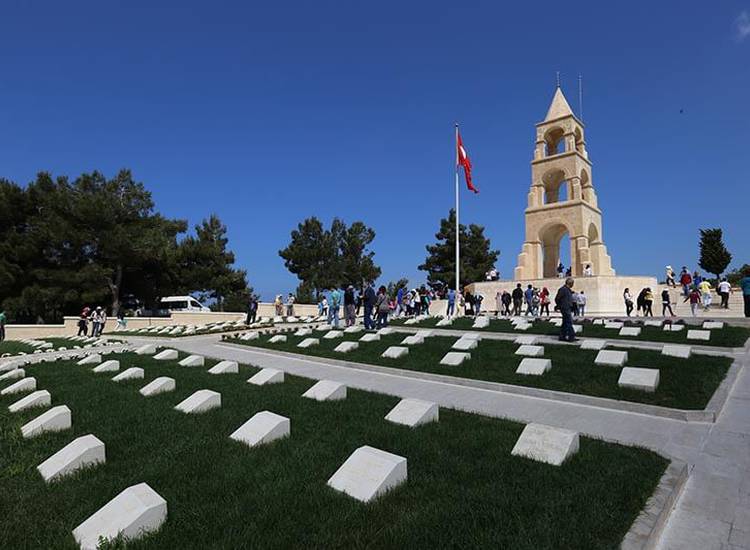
x=267, y=113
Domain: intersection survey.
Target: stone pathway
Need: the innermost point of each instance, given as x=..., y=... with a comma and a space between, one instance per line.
x=713, y=511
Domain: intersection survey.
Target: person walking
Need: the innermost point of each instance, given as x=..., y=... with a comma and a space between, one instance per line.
x=290, y=305
x=83, y=322
x=382, y=307
x=460, y=303
x=560, y=269
x=333, y=310
x=745, y=286
x=122, y=323
x=369, y=302
x=499, y=302
x=400, y=301
x=278, y=305
x=517, y=300
x=648, y=303
x=252, y=310
x=564, y=302
x=669, y=276
x=694, y=297
x=685, y=280
x=478, y=304
x=507, y=300
x=350, y=308
x=725, y=289
x=451, y=297
x=528, y=297
x=666, y=303
x=628, y=298
x=705, y=289
x=581, y=299
x=324, y=307
x=544, y=301
x=3, y=320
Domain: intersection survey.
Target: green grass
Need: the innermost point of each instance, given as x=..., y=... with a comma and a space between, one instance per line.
x=465, y=490
x=683, y=384
x=14, y=347
x=729, y=336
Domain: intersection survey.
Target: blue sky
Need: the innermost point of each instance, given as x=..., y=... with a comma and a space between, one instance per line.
x=266, y=113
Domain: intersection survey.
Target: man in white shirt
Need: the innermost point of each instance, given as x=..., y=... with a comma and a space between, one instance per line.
x=724, y=290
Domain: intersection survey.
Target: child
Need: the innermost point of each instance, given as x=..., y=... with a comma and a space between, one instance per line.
x=695, y=298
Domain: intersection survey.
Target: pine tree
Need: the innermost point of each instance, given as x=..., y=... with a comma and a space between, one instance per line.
x=714, y=255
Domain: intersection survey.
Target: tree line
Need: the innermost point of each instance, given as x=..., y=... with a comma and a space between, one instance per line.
x=100, y=241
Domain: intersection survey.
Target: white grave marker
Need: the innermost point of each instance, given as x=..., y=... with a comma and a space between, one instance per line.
x=354, y=329
x=333, y=334
x=673, y=327
x=166, y=355
x=159, y=385
x=630, y=331
x=481, y=322
x=465, y=344
x=346, y=347
x=639, y=379
x=369, y=473
x=93, y=359
x=277, y=339
x=455, y=358
x=614, y=325
x=148, y=349
x=526, y=340
x=370, y=337
x=395, y=352
x=413, y=412
x=133, y=373
x=267, y=376
x=250, y=336
x=23, y=385
x=611, y=358
x=108, y=366
x=262, y=428
x=708, y=325
x=699, y=335
x=225, y=367
x=676, y=350
x=308, y=342
x=56, y=419
x=412, y=340
x=534, y=367
x=385, y=331
x=83, y=451
x=326, y=390
x=193, y=361
x=201, y=401
x=14, y=374
x=546, y=444
x=303, y=332
x=40, y=398
x=530, y=351
x=593, y=343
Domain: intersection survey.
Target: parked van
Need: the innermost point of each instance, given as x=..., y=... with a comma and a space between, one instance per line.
x=181, y=303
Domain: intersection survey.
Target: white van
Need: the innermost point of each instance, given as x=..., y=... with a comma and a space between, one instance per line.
x=181, y=303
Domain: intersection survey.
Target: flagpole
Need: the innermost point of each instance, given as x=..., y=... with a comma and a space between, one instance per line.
x=458, y=254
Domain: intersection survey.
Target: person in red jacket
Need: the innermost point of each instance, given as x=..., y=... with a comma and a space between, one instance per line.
x=685, y=280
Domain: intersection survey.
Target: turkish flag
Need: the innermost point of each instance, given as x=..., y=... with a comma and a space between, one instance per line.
x=463, y=160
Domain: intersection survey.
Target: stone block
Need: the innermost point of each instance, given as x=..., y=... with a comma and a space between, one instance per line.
x=413, y=412
x=354, y=329
x=148, y=349
x=40, y=398
x=611, y=358
x=267, y=376
x=481, y=322
x=133, y=373
x=630, y=331
x=411, y=321
x=444, y=322
x=425, y=333
x=676, y=350
x=323, y=328
x=699, y=335
x=326, y=390
x=385, y=331
x=308, y=342
x=333, y=335
x=159, y=385
x=93, y=359
x=546, y=444
x=250, y=336
x=530, y=351
x=673, y=327
x=14, y=374
x=708, y=325
x=639, y=379
x=262, y=428
x=526, y=340
x=303, y=332
x=370, y=337
x=112, y=365
x=346, y=347
x=653, y=323
x=395, y=352
x=201, y=401
x=412, y=340
x=522, y=326
x=23, y=385
x=135, y=512
x=56, y=419
x=166, y=355
x=614, y=325
x=369, y=473
x=277, y=339
x=597, y=322
x=534, y=367
x=193, y=361
x=465, y=344
x=593, y=343
x=83, y=451
x=225, y=367
x=455, y=358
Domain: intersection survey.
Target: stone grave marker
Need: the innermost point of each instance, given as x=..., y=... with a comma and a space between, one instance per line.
x=444, y=322
x=385, y=331
x=93, y=359
x=593, y=343
x=413, y=412
x=530, y=351
x=524, y=340
x=133, y=373
x=193, y=361
x=326, y=390
x=346, y=347
x=639, y=379
x=369, y=473
x=148, y=349
x=699, y=335
x=199, y=402
x=13, y=374
x=630, y=331
x=412, y=321
x=708, y=325
x=225, y=367
x=546, y=444
x=40, y=398
x=614, y=325
x=108, y=366
x=455, y=358
x=611, y=358
x=653, y=323
x=159, y=385
x=264, y=427
x=676, y=350
x=250, y=336
x=465, y=344
x=303, y=332
x=354, y=329
x=673, y=327
x=412, y=340
x=23, y=385
x=308, y=342
x=278, y=338
x=56, y=419
x=395, y=352
x=267, y=376
x=370, y=337
x=83, y=451
x=333, y=334
x=534, y=367
x=166, y=355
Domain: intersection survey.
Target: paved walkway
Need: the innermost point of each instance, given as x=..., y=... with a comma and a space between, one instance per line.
x=713, y=511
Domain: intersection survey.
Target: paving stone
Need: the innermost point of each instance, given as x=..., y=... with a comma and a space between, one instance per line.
x=630, y=331
x=370, y=337
x=93, y=359
x=267, y=376
x=40, y=398
x=639, y=379
x=395, y=352
x=412, y=340
x=108, y=366
x=455, y=358
x=277, y=339
x=83, y=451
x=369, y=473
x=546, y=444
x=593, y=343
x=200, y=402
x=535, y=367
x=167, y=355
x=308, y=342
x=333, y=335
x=159, y=385
x=530, y=351
x=465, y=344
x=413, y=412
x=225, y=367
x=326, y=390
x=676, y=350
x=23, y=385
x=133, y=373
x=135, y=512
x=346, y=347
x=56, y=419
x=264, y=427
x=699, y=335
x=611, y=358
x=193, y=361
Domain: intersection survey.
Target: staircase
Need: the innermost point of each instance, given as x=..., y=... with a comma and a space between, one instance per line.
x=682, y=309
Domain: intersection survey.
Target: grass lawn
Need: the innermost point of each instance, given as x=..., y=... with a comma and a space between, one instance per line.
x=729, y=336
x=14, y=347
x=465, y=490
x=684, y=383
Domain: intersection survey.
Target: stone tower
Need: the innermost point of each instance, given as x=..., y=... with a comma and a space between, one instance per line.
x=562, y=200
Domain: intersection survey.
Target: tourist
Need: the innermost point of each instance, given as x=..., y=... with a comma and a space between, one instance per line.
x=350, y=310
x=369, y=300
x=544, y=301
x=670, y=276
x=648, y=302
x=639, y=302
x=560, y=269
x=468, y=303
x=745, y=286
x=564, y=302
x=333, y=310
x=628, y=298
x=517, y=300
x=97, y=321
x=3, y=320
x=382, y=308
x=278, y=305
x=252, y=310
x=122, y=323
x=460, y=303
x=400, y=301
x=574, y=304
x=83, y=322
x=528, y=296
x=685, y=280
x=477, y=304
x=499, y=302
x=587, y=271
x=725, y=289
x=694, y=296
x=535, y=301
x=581, y=300
x=424, y=300
x=569, y=271
x=697, y=278
x=705, y=289
x=666, y=303
x=507, y=300
x=324, y=307
x=451, y=296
